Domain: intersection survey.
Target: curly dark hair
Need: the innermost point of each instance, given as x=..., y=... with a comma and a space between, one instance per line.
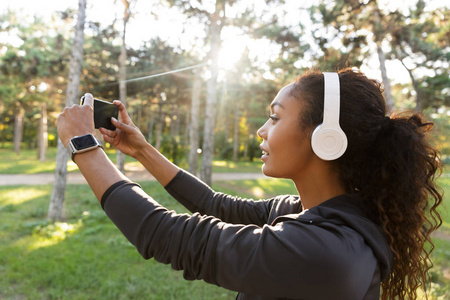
x=391, y=164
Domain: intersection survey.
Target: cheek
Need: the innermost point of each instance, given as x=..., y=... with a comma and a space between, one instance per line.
x=296, y=150
x=289, y=146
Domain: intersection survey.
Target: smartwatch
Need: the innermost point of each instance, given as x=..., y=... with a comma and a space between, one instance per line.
x=84, y=143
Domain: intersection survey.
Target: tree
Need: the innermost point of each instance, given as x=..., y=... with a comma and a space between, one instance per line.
x=216, y=26
x=163, y=96
x=354, y=23
x=194, y=125
x=123, y=73
x=417, y=37
x=23, y=68
x=42, y=133
x=379, y=32
x=420, y=42
x=214, y=16
x=55, y=210
x=18, y=127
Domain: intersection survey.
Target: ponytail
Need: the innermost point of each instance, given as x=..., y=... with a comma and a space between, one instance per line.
x=401, y=186
x=391, y=165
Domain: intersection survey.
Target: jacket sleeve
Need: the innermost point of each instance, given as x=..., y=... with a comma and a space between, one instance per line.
x=288, y=259
x=196, y=196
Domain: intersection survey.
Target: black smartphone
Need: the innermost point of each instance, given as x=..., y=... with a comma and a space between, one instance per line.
x=103, y=112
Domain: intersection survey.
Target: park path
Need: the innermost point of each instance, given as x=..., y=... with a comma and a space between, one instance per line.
x=136, y=175
x=140, y=176
x=77, y=178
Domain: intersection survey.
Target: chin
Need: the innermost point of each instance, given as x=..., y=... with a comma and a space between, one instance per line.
x=273, y=173
x=266, y=171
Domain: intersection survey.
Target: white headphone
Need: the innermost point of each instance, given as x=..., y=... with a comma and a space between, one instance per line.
x=328, y=141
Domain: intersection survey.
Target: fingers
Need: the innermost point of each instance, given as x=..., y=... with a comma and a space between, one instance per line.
x=124, y=117
x=88, y=99
x=107, y=132
x=119, y=125
x=122, y=126
x=108, y=139
x=109, y=135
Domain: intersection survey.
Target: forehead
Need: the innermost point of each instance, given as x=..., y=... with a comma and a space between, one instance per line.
x=284, y=98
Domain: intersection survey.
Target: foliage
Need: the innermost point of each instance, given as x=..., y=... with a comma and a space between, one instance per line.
x=420, y=41
x=328, y=35
x=441, y=119
x=417, y=37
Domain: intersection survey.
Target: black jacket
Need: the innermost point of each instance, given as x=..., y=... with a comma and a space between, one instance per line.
x=264, y=249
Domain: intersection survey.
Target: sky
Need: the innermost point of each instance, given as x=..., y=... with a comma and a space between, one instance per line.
x=171, y=27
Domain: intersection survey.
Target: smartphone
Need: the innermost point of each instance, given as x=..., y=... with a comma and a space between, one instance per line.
x=103, y=112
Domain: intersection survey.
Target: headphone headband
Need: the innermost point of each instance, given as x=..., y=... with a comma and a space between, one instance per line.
x=328, y=141
x=332, y=99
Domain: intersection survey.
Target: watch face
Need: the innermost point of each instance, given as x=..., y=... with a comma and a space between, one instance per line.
x=83, y=142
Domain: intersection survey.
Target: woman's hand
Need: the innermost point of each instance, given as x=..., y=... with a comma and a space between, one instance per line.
x=127, y=137
x=76, y=120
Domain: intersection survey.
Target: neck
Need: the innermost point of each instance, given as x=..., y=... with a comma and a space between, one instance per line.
x=318, y=186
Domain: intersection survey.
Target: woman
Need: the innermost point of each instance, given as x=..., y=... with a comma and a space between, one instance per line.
x=360, y=221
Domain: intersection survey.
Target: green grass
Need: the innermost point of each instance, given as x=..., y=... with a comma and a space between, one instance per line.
x=28, y=163
x=222, y=166
x=86, y=257
x=440, y=273
x=444, y=183
x=257, y=188
x=441, y=269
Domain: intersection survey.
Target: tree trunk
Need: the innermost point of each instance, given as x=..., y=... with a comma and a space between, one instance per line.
x=173, y=121
x=177, y=121
x=186, y=128
x=42, y=134
x=56, y=206
x=208, y=129
x=390, y=105
x=416, y=87
x=123, y=76
x=151, y=123
x=139, y=116
x=194, y=126
x=18, y=127
x=246, y=146
x=211, y=94
x=159, y=127
x=236, y=132
x=224, y=109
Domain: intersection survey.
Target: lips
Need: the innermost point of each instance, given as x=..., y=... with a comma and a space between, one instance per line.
x=265, y=153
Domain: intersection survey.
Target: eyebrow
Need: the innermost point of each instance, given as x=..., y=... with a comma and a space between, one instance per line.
x=276, y=103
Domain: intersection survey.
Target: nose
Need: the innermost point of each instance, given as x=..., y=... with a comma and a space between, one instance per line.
x=262, y=132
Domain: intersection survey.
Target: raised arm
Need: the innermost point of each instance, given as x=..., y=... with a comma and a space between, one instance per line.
x=295, y=256
x=95, y=166
x=186, y=188
x=196, y=196
x=128, y=139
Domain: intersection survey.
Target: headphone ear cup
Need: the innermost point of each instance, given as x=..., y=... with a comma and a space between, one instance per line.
x=328, y=143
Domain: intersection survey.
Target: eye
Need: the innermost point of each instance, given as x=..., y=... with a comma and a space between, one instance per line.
x=274, y=118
